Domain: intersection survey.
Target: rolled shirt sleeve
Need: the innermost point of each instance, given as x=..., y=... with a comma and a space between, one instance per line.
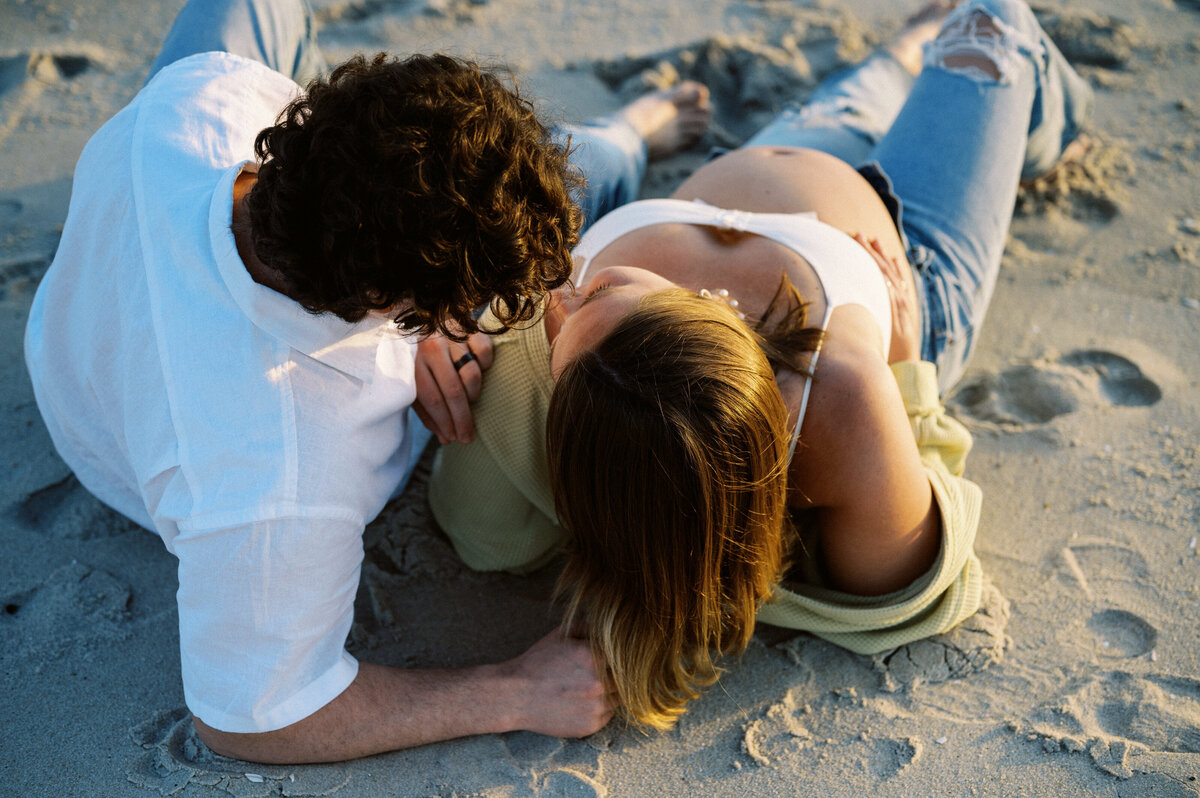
x=264, y=612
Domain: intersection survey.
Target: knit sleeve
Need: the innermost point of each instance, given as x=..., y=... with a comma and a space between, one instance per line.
x=942, y=442
x=492, y=525
x=492, y=497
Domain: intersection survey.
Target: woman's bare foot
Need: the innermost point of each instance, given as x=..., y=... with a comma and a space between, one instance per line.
x=920, y=28
x=1072, y=154
x=670, y=120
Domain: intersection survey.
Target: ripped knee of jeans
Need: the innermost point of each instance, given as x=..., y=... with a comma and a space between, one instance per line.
x=977, y=45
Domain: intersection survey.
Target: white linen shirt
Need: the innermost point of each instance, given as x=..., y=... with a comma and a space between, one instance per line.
x=257, y=439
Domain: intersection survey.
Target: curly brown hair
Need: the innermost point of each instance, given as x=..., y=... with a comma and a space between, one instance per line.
x=425, y=181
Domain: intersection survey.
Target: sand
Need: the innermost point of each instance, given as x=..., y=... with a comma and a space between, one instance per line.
x=1079, y=677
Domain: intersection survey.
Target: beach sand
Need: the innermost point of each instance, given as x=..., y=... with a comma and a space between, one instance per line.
x=1079, y=677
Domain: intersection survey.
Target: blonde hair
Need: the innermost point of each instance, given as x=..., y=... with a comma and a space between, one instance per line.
x=667, y=444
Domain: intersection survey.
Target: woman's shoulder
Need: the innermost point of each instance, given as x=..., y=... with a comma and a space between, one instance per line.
x=855, y=421
x=852, y=380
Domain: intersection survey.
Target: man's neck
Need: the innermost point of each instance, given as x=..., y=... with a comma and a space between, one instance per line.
x=242, y=234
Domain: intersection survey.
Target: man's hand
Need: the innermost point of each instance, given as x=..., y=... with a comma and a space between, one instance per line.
x=556, y=687
x=449, y=376
x=563, y=690
x=902, y=292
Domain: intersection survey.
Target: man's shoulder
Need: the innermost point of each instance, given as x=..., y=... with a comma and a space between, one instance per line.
x=201, y=69
x=211, y=103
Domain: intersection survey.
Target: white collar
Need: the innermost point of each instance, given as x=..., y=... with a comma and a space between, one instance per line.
x=324, y=336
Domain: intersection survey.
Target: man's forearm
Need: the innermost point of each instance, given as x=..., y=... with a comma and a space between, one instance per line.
x=383, y=709
x=553, y=688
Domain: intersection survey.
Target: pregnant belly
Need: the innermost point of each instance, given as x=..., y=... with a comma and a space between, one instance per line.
x=795, y=180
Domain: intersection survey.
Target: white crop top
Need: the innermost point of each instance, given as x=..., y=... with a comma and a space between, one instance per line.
x=847, y=272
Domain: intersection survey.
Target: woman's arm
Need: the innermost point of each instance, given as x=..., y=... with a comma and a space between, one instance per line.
x=874, y=506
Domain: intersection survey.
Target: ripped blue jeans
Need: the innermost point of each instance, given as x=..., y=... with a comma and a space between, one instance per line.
x=946, y=151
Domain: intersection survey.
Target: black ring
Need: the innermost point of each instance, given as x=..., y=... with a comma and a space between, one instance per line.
x=464, y=360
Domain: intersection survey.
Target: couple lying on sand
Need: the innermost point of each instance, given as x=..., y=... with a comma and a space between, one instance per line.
x=725, y=408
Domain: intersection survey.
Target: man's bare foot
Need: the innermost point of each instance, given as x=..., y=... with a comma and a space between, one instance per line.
x=670, y=120
x=1078, y=148
x=920, y=28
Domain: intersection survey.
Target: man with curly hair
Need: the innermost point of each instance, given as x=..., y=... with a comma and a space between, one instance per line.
x=223, y=350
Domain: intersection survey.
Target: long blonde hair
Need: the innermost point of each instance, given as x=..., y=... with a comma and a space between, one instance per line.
x=667, y=444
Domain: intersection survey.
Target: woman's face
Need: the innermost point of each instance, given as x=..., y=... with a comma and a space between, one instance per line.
x=592, y=311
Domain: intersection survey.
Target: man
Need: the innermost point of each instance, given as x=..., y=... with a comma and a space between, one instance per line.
x=219, y=353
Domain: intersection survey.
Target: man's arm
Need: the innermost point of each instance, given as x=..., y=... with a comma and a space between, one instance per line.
x=554, y=688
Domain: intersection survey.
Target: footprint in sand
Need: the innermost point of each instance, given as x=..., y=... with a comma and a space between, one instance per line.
x=72, y=603
x=17, y=71
x=570, y=784
x=24, y=76
x=1087, y=559
x=570, y=766
x=19, y=277
x=330, y=13
x=176, y=758
x=327, y=12
x=1092, y=39
x=352, y=11
x=65, y=510
x=530, y=748
x=1122, y=634
x=832, y=731
x=1118, y=717
x=1091, y=558
x=1025, y=396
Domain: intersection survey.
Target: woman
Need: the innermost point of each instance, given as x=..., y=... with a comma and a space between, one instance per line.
x=690, y=450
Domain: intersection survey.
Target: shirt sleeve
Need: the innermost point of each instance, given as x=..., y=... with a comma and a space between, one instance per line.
x=264, y=612
x=949, y=592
